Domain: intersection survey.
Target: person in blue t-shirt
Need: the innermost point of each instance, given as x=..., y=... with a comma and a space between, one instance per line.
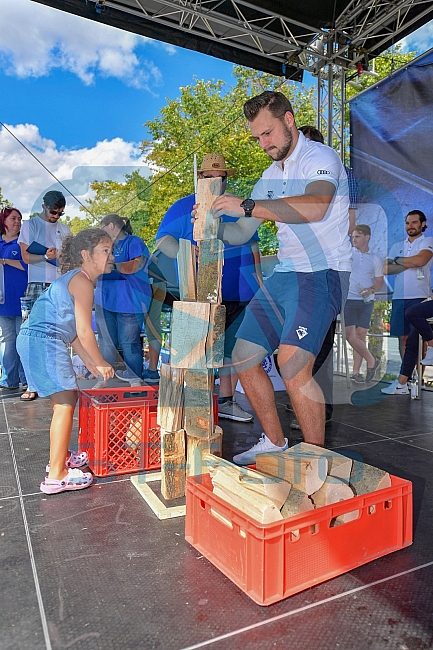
x=240, y=281
x=122, y=298
x=14, y=286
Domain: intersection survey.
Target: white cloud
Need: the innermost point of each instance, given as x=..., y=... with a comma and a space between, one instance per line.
x=421, y=40
x=39, y=39
x=24, y=180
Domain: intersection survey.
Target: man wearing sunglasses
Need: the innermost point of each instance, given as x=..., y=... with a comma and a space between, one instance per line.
x=42, y=229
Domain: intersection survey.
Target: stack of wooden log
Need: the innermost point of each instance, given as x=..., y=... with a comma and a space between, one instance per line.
x=297, y=480
x=185, y=406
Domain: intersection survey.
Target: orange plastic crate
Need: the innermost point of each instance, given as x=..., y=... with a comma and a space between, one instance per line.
x=270, y=562
x=118, y=430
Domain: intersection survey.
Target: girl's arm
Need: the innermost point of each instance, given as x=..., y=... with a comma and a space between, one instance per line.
x=81, y=288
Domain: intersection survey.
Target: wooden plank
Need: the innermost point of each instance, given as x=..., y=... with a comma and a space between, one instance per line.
x=195, y=448
x=172, y=464
x=305, y=472
x=209, y=273
x=208, y=189
x=187, y=268
x=227, y=486
x=216, y=337
x=198, y=403
x=170, y=400
x=338, y=465
x=273, y=488
x=189, y=333
x=161, y=511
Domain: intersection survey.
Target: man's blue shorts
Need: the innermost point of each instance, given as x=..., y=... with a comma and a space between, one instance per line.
x=399, y=325
x=358, y=313
x=295, y=309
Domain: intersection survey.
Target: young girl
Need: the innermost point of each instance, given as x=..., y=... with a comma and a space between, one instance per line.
x=62, y=315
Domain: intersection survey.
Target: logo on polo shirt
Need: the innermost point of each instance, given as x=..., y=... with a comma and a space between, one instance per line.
x=15, y=253
x=323, y=171
x=270, y=194
x=301, y=332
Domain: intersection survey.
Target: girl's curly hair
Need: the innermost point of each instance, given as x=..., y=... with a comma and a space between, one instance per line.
x=70, y=255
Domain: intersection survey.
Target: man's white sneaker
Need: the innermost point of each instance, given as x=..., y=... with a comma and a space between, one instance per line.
x=263, y=446
x=396, y=389
x=428, y=359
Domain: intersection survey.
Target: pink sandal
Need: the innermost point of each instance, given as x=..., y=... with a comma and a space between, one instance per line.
x=74, y=480
x=76, y=459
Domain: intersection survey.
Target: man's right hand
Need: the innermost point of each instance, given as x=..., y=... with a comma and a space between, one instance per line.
x=105, y=371
x=51, y=253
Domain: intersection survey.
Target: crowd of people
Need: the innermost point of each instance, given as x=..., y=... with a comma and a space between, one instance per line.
x=325, y=269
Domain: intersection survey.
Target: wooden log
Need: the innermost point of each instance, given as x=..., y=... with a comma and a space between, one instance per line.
x=172, y=464
x=227, y=486
x=296, y=503
x=209, y=273
x=198, y=403
x=305, y=472
x=170, y=400
x=366, y=478
x=332, y=491
x=197, y=335
x=273, y=488
x=208, y=189
x=196, y=447
x=187, y=269
x=338, y=465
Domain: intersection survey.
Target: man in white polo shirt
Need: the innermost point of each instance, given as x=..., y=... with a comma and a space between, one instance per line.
x=305, y=192
x=366, y=278
x=411, y=262
x=43, y=229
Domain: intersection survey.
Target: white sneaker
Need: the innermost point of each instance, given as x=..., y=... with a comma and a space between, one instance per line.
x=232, y=411
x=396, y=389
x=428, y=359
x=263, y=446
x=132, y=380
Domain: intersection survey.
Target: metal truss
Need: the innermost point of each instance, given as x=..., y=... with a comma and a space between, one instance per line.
x=362, y=29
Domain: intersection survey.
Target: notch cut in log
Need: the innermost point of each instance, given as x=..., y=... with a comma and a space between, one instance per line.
x=228, y=487
x=209, y=274
x=197, y=335
x=172, y=464
x=273, y=488
x=198, y=403
x=187, y=269
x=198, y=447
x=170, y=398
x=305, y=472
x=339, y=466
x=205, y=226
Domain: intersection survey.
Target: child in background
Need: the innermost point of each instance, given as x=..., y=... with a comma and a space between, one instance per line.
x=62, y=315
x=80, y=369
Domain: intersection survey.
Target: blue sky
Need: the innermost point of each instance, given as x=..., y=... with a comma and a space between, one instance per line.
x=77, y=94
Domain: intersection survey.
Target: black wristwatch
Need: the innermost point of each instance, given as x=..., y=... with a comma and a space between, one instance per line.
x=248, y=205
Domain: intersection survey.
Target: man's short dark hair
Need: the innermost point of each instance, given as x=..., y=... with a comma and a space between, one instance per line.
x=54, y=199
x=363, y=229
x=312, y=133
x=422, y=217
x=276, y=103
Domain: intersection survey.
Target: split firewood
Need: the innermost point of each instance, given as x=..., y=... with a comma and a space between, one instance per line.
x=333, y=491
x=170, y=401
x=187, y=267
x=273, y=488
x=232, y=490
x=205, y=226
x=338, y=465
x=197, y=447
x=296, y=503
x=366, y=478
x=304, y=471
x=172, y=464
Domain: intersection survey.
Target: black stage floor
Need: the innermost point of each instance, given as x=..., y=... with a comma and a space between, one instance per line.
x=97, y=570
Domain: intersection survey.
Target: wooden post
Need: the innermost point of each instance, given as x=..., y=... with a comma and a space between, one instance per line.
x=209, y=275
x=198, y=403
x=187, y=264
x=173, y=464
x=170, y=400
x=205, y=226
x=196, y=447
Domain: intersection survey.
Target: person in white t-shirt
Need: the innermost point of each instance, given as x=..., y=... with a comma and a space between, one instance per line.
x=410, y=261
x=365, y=279
x=42, y=229
x=305, y=192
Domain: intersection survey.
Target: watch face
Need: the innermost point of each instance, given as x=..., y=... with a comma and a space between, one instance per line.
x=248, y=205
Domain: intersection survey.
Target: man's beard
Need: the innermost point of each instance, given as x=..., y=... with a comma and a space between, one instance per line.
x=282, y=153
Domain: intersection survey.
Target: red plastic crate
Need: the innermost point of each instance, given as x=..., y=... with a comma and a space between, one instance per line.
x=118, y=430
x=107, y=429
x=270, y=562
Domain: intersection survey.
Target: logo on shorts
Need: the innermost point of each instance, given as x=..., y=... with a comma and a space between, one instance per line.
x=323, y=171
x=301, y=332
x=267, y=364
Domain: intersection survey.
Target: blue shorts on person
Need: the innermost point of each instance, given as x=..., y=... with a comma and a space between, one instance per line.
x=399, y=325
x=358, y=313
x=295, y=309
x=47, y=362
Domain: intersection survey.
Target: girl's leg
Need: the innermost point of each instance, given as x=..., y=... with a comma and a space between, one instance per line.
x=60, y=431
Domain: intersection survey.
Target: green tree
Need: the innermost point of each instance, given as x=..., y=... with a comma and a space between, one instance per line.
x=76, y=224
x=3, y=200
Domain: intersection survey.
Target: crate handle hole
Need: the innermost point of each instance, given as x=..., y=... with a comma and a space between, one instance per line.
x=221, y=518
x=202, y=504
x=371, y=510
x=295, y=535
x=314, y=529
x=387, y=505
